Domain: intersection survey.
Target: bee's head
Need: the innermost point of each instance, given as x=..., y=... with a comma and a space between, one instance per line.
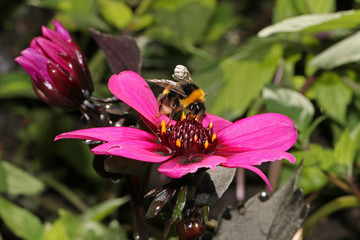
x=197, y=108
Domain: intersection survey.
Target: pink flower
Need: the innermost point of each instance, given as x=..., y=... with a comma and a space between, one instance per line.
x=58, y=68
x=189, y=144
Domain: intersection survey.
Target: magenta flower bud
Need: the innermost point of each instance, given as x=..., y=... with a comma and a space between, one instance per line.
x=58, y=68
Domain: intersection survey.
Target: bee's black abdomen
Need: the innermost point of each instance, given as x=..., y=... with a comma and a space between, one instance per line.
x=189, y=88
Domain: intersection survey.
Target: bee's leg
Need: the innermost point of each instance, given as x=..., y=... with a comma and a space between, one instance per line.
x=201, y=113
x=161, y=110
x=172, y=113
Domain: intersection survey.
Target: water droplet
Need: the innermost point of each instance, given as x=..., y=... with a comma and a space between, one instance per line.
x=264, y=196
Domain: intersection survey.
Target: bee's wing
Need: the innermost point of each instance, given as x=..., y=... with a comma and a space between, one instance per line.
x=181, y=73
x=170, y=84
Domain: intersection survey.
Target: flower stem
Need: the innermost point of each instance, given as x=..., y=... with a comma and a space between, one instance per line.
x=338, y=182
x=333, y=206
x=137, y=187
x=274, y=174
x=140, y=221
x=309, y=82
x=354, y=189
x=240, y=185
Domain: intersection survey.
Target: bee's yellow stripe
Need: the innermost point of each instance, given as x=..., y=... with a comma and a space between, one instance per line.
x=197, y=95
x=166, y=91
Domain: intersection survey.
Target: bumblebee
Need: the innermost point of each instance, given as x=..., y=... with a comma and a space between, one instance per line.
x=181, y=94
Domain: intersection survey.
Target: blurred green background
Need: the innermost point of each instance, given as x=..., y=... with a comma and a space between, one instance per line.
x=295, y=57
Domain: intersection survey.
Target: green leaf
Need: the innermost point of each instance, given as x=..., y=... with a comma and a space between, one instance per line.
x=80, y=228
x=78, y=15
x=290, y=103
x=312, y=179
x=304, y=136
x=180, y=204
x=141, y=22
x=116, y=13
x=56, y=232
x=343, y=52
x=316, y=156
x=79, y=156
x=242, y=81
x=80, y=6
x=16, y=84
x=286, y=9
x=74, y=21
x=70, y=226
x=314, y=23
x=115, y=232
x=104, y=209
x=319, y=6
x=174, y=21
x=344, y=154
x=224, y=19
x=14, y=180
x=20, y=221
x=283, y=9
x=332, y=95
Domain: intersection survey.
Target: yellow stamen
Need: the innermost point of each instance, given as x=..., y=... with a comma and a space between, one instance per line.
x=197, y=118
x=195, y=138
x=206, y=144
x=213, y=137
x=211, y=125
x=178, y=143
x=163, y=127
x=183, y=116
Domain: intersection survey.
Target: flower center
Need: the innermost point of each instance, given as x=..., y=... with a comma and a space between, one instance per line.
x=188, y=136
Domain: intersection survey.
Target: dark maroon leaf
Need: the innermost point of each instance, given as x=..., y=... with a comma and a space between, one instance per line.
x=121, y=165
x=211, y=185
x=98, y=164
x=160, y=200
x=122, y=52
x=274, y=218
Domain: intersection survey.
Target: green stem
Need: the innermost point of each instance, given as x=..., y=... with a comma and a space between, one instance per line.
x=199, y=52
x=333, y=206
x=351, y=84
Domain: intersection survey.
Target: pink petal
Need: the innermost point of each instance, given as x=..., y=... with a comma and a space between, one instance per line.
x=218, y=122
x=34, y=64
x=257, y=157
x=59, y=40
x=35, y=58
x=264, y=131
x=132, y=89
x=141, y=150
x=31, y=68
x=52, y=50
x=179, y=166
x=61, y=30
x=258, y=172
x=109, y=134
